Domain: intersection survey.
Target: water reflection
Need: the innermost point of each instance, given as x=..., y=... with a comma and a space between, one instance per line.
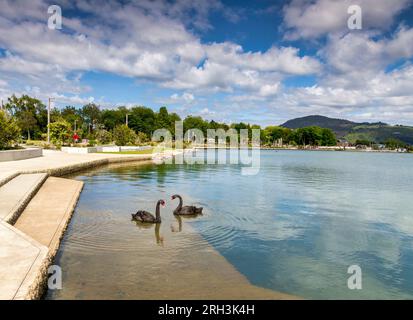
x=295, y=227
x=156, y=226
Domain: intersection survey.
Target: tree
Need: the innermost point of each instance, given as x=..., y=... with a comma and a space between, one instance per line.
x=91, y=113
x=31, y=114
x=142, y=119
x=9, y=131
x=192, y=122
x=328, y=137
x=72, y=115
x=60, y=132
x=123, y=135
x=392, y=144
x=112, y=118
x=27, y=121
x=273, y=133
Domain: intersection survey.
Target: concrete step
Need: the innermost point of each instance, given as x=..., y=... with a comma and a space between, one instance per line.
x=48, y=213
x=22, y=260
x=16, y=194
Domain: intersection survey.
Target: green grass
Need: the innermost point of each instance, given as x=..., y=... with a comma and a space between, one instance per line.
x=147, y=151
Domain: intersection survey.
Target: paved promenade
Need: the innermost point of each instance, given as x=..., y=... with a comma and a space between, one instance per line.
x=34, y=212
x=58, y=163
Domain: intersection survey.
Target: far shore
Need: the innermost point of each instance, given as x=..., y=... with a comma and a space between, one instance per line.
x=336, y=148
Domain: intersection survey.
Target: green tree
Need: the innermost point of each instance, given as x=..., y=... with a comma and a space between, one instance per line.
x=60, y=132
x=72, y=115
x=192, y=122
x=9, y=131
x=142, y=119
x=31, y=114
x=272, y=134
x=123, y=135
x=112, y=118
x=328, y=137
x=91, y=113
x=392, y=144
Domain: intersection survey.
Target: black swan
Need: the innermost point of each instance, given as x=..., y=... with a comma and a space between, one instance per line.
x=185, y=210
x=147, y=217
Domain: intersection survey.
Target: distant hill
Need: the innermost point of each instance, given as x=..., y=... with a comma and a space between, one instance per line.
x=377, y=132
x=339, y=126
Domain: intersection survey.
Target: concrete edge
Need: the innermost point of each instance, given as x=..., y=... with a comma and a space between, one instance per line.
x=57, y=238
x=8, y=178
x=36, y=284
x=64, y=170
x=17, y=211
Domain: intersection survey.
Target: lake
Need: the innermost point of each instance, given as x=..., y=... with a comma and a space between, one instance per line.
x=295, y=228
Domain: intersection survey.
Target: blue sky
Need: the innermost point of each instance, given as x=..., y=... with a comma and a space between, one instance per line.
x=255, y=61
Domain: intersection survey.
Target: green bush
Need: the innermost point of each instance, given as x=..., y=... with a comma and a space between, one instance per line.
x=60, y=132
x=123, y=135
x=104, y=136
x=9, y=131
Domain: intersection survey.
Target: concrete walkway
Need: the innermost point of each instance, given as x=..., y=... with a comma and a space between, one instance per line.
x=21, y=258
x=42, y=209
x=58, y=163
x=28, y=247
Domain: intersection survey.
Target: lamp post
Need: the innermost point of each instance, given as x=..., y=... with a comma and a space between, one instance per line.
x=75, y=125
x=48, y=120
x=127, y=119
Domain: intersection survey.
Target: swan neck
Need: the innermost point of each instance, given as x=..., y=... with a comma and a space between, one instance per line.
x=158, y=212
x=180, y=203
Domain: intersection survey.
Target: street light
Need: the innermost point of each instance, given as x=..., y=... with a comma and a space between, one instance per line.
x=75, y=125
x=48, y=120
x=127, y=118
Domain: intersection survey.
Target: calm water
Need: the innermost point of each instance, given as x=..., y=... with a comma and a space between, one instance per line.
x=295, y=227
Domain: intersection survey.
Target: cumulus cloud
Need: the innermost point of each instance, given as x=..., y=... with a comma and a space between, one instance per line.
x=159, y=43
x=146, y=40
x=311, y=19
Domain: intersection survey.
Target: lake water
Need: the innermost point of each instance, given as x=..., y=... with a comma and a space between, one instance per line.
x=295, y=227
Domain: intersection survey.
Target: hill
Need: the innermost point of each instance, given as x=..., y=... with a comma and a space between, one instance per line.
x=377, y=132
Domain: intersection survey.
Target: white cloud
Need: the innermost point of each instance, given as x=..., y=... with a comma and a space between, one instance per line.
x=143, y=40
x=155, y=41
x=186, y=97
x=312, y=19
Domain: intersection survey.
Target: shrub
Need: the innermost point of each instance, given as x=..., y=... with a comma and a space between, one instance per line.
x=142, y=138
x=123, y=135
x=9, y=131
x=103, y=136
x=60, y=132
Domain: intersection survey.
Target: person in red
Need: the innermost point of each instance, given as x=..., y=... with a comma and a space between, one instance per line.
x=76, y=137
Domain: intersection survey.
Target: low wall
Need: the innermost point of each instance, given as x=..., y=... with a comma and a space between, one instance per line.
x=133, y=148
x=21, y=154
x=76, y=150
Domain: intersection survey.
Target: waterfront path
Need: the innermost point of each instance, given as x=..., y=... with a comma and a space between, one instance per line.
x=40, y=208
x=58, y=163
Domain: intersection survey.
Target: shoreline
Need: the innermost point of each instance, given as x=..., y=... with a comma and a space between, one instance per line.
x=25, y=259
x=337, y=149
